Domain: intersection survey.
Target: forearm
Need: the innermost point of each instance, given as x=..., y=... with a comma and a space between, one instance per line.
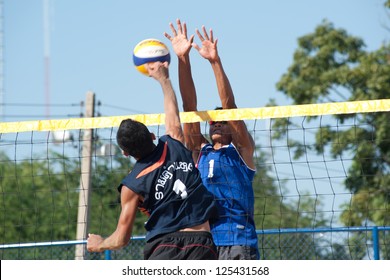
x=97, y=243
x=170, y=103
x=172, y=117
x=192, y=133
x=224, y=88
x=114, y=242
x=186, y=84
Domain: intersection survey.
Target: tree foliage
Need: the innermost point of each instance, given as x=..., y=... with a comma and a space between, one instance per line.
x=273, y=210
x=331, y=65
x=39, y=200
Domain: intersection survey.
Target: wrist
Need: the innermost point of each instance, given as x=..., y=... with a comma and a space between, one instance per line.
x=100, y=247
x=216, y=60
x=184, y=57
x=165, y=80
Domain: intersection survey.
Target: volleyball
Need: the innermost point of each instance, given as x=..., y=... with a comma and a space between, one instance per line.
x=149, y=50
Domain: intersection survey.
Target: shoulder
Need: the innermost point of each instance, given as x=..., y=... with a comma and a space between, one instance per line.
x=238, y=153
x=164, y=138
x=172, y=142
x=167, y=138
x=206, y=146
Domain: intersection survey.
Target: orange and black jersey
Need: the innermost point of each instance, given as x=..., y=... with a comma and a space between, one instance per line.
x=172, y=189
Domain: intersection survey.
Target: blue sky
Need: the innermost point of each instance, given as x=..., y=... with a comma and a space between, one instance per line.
x=91, y=41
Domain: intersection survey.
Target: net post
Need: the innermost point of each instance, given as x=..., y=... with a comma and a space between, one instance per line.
x=375, y=241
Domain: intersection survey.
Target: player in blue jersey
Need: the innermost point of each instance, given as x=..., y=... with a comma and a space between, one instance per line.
x=226, y=164
x=166, y=185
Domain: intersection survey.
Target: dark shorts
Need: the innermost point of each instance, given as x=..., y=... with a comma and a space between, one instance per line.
x=237, y=253
x=181, y=245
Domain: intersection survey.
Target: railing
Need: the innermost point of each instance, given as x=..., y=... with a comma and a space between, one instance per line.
x=294, y=243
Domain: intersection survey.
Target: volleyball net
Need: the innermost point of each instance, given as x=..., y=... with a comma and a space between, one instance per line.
x=319, y=166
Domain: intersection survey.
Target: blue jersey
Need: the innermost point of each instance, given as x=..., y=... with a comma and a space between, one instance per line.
x=226, y=175
x=171, y=187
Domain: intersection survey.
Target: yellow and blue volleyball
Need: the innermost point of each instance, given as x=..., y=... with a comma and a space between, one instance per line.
x=149, y=50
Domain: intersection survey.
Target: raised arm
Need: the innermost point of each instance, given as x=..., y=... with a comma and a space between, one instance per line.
x=159, y=71
x=241, y=138
x=182, y=47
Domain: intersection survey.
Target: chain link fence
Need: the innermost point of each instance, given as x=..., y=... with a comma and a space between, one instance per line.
x=293, y=244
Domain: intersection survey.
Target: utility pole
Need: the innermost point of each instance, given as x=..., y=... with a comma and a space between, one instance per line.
x=46, y=53
x=85, y=179
x=2, y=94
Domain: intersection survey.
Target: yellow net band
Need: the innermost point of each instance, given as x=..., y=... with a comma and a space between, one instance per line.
x=335, y=108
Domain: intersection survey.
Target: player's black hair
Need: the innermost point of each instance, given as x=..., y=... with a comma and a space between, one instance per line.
x=134, y=138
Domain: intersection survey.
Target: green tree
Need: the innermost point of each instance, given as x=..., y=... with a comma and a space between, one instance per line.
x=37, y=201
x=40, y=198
x=331, y=65
x=40, y=202
x=273, y=211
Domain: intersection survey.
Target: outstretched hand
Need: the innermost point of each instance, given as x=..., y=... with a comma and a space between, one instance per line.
x=209, y=45
x=180, y=42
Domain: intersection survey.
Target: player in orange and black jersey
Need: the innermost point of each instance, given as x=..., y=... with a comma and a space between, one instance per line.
x=165, y=183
